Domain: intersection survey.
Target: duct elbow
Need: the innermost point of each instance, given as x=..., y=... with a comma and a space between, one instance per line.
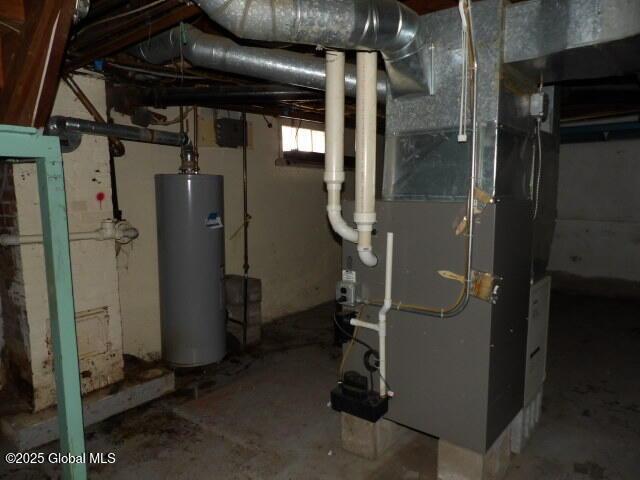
x=410, y=74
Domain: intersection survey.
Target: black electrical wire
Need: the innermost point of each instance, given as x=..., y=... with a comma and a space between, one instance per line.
x=351, y=337
x=370, y=352
x=372, y=366
x=369, y=366
x=385, y=381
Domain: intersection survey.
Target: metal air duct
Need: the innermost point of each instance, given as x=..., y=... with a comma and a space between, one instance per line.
x=220, y=53
x=384, y=25
x=573, y=39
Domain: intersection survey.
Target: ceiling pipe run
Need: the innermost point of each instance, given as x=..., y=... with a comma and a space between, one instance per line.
x=63, y=126
x=228, y=95
x=222, y=54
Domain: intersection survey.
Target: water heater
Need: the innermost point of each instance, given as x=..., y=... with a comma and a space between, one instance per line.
x=190, y=213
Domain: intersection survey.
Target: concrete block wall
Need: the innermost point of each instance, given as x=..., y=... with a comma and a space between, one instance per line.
x=95, y=280
x=292, y=249
x=596, y=247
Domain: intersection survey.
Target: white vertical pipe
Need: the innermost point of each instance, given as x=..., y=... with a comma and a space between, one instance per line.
x=366, y=120
x=381, y=326
x=382, y=315
x=334, y=132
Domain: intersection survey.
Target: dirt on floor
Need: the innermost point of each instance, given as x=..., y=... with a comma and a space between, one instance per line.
x=265, y=414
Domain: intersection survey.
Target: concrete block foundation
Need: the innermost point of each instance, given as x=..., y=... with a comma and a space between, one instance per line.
x=459, y=463
x=370, y=440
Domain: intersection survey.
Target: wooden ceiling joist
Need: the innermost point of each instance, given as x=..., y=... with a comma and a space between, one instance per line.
x=12, y=11
x=31, y=60
x=104, y=40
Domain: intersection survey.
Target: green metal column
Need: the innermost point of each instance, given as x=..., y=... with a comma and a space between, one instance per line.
x=53, y=208
x=27, y=143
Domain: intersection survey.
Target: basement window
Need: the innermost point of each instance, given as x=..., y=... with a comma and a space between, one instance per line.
x=301, y=147
x=304, y=147
x=298, y=139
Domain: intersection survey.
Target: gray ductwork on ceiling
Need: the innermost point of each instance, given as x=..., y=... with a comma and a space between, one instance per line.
x=384, y=25
x=220, y=53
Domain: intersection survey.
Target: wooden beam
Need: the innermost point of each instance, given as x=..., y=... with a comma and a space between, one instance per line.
x=12, y=11
x=33, y=64
x=121, y=39
x=103, y=29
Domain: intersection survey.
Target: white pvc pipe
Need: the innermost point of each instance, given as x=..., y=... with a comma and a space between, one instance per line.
x=334, y=134
x=381, y=326
x=366, y=120
x=382, y=315
x=122, y=232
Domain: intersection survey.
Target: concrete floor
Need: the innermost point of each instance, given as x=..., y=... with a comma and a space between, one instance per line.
x=265, y=415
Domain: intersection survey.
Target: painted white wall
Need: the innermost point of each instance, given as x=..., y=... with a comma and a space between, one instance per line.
x=95, y=281
x=291, y=247
x=598, y=229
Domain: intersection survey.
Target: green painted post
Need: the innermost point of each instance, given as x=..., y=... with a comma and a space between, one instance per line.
x=28, y=143
x=53, y=208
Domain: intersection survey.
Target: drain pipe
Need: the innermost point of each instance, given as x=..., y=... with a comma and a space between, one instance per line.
x=381, y=326
x=366, y=118
x=334, y=156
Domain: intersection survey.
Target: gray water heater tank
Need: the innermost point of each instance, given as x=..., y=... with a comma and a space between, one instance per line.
x=190, y=213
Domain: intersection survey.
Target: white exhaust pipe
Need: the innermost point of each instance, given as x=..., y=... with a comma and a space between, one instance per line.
x=366, y=123
x=334, y=134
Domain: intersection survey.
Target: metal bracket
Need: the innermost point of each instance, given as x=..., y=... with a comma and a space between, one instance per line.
x=484, y=286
